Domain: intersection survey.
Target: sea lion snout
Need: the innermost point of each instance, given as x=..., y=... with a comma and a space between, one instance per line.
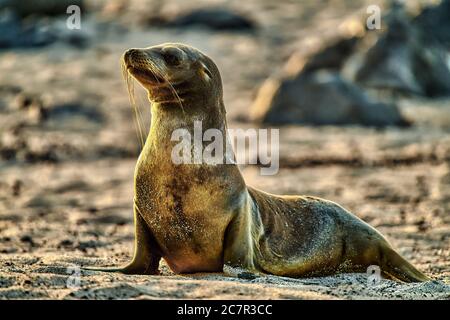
x=134, y=57
x=140, y=63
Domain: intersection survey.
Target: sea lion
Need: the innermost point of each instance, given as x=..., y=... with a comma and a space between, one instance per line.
x=199, y=217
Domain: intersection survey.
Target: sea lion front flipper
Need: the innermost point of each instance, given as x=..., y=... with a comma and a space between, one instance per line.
x=146, y=251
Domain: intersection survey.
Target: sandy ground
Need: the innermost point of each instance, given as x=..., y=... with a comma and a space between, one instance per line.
x=66, y=194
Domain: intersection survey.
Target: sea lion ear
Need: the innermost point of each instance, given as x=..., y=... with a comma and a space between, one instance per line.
x=204, y=72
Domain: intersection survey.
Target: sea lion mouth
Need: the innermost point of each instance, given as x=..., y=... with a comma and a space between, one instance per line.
x=160, y=89
x=146, y=76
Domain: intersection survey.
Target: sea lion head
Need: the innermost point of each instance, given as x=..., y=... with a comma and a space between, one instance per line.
x=175, y=74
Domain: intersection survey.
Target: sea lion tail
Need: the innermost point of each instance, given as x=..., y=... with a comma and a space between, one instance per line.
x=397, y=267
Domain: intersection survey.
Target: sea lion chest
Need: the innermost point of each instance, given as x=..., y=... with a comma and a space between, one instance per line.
x=187, y=209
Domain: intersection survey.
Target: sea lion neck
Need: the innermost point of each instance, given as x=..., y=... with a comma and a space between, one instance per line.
x=167, y=118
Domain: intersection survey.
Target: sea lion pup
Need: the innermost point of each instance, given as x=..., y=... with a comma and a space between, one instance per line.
x=199, y=217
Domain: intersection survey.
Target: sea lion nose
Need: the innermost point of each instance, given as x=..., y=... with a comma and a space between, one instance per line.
x=131, y=54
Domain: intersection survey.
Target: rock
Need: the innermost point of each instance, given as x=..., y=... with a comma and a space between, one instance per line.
x=331, y=57
x=7, y=153
x=9, y=28
x=246, y=276
x=405, y=60
x=65, y=243
x=40, y=7
x=37, y=31
x=90, y=244
x=435, y=20
x=27, y=239
x=423, y=225
x=212, y=18
x=76, y=109
x=29, y=33
x=36, y=111
x=320, y=98
x=17, y=187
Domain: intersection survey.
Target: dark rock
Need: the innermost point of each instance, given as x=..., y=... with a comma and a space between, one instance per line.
x=110, y=219
x=46, y=155
x=84, y=245
x=405, y=60
x=246, y=276
x=27, y=33
x=212, y=18
x=332, y=57
x=7, y=153
x=17, y=188
x=110, y=151
x=423, y=225
x=435, y=20
x=65, y=243
x=8, y=250
x=92, y=210
x=10, y=28
x=23, y=101
x=320, y=98
x=73, y=186
x=18, y=148
x=33, y=105
x=70, y=110
x=10, y=89
x=27, y=238
x=25, y=8
x=19, y=30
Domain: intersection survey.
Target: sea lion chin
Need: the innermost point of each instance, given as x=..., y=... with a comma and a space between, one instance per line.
x=199, y=217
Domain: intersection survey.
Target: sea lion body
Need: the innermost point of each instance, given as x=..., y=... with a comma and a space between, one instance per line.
x=305, y=236
x=200, y=216
x=188, y=209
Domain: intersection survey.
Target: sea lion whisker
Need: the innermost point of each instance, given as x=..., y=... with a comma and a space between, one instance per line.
x=137, y=113
x=177, y=96
x=161, y=74
x=131, y=97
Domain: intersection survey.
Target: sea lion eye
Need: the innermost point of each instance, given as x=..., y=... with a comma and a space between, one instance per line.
x=171, y=59
x=172, y=56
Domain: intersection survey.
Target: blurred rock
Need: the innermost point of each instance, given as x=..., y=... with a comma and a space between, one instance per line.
x=331, y=57
x=40, y=7
x=17, y=187
x=405, y=60
x=9, y=28
x=36, y=111
x=435, y=20
x=320, y=98
x=24, y=31
x=76, y=109
x=27, y=238
x=212, y=18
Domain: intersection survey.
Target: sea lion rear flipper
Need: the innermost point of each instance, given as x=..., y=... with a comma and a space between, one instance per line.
x=397, y=267
x=146, y=251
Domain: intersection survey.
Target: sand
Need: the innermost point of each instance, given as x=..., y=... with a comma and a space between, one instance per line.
x=66, y=196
